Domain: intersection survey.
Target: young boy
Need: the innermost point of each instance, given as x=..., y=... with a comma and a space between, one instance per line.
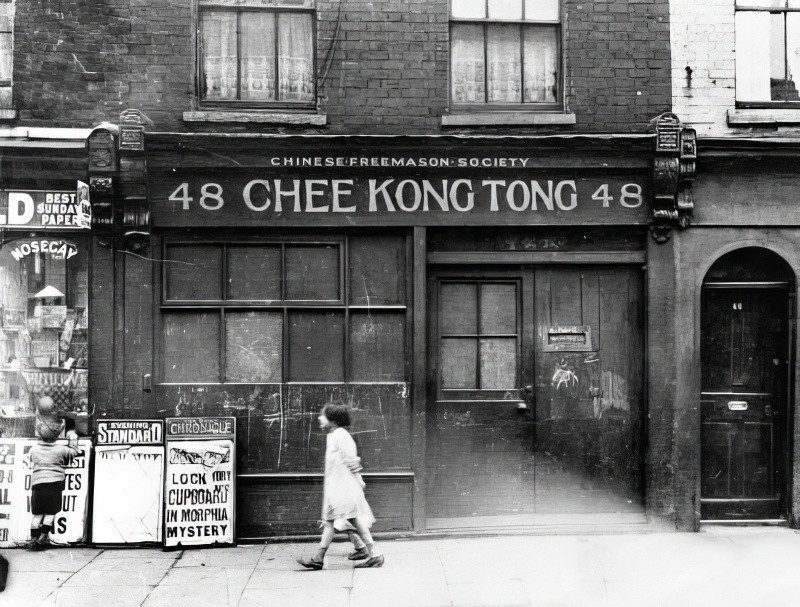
x=49, y=461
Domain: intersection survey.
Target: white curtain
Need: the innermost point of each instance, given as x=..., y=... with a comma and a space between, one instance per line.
x=467, y=76
x=541, y=64
x=218, y=34
x=542, y=10
x=468, y=9
x=258, y=56
x=505, y=9
x=752, y=56
x=295, y=57
x=504, y=63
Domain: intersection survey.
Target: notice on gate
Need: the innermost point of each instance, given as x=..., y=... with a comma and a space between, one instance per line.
x=200, y=483
x=128, y=481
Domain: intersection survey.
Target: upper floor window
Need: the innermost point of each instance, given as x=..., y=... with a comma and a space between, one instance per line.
x=257, y=52
x=6, y=49
x=767, y=52
x=505, y=53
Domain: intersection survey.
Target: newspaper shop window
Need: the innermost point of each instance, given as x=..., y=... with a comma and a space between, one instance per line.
x=43, y=331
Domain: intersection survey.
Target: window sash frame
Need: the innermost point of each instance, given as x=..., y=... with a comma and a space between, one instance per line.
x=477, y=394
x=343, y=306
x=522, y=105
x=239, y=103
x=772, y=10
x=508, y=105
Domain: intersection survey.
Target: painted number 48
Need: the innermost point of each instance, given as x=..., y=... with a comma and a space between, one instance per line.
x=210, y=196
x=630, y=195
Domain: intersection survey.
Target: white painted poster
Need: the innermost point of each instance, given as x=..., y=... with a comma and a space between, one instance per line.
x=11, y=489
x=199, y=493
x=69, y=526
x=128, y=482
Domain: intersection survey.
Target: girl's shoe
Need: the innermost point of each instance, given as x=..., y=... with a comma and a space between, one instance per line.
x=359, y=554
x=375, y=560
x=311, y=563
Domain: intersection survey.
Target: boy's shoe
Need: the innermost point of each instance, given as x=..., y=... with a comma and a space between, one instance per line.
x=311, y=563
x=359, y=554
x=39, y=544
x=375, y=560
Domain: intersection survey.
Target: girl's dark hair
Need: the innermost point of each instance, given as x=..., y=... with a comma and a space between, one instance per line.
x=338, y=413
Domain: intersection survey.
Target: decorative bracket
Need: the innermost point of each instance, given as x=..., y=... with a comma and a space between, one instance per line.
x=674, y=169
x=118, y=180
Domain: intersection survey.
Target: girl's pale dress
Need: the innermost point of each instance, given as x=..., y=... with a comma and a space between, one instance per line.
x=344, y=489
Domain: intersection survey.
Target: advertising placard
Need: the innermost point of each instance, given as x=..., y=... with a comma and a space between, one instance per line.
x=200, y=483
x=128, y=482
x=46, y=209
x=70, y=524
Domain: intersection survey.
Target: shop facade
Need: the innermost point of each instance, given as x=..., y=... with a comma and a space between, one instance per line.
x=481, y=304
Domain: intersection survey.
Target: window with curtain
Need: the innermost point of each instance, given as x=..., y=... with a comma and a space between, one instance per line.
x=256, y=54
x=767, y=52
x=505, y=53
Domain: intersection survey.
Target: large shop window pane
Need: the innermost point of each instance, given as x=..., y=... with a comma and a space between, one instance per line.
x=377, y=270
x=312, y=273
x=191, y=346
x=254, y=272
x=377, y=346
x=218, y=35
x=193, y=272
x=498, y=308
x=458, y=309
x=254, y=346
x=43, y=339
x=459, y=364
x=316, y=346
x=257, y=63
x=541, y=63
x=467, y=68
x=504, y=63
x=296, y=57
x=498, y=363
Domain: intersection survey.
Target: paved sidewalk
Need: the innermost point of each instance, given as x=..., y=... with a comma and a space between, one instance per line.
x=716, y=567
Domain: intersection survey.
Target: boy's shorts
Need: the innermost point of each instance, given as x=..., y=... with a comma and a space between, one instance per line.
x=46, y=497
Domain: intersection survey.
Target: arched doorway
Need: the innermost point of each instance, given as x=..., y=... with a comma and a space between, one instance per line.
x=746, y=306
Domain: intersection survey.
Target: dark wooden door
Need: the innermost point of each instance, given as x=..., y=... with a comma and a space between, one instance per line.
x=536, y=394
x=745, y=339
x=589, y=390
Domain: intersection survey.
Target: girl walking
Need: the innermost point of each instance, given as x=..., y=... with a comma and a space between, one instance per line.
x=343, y=495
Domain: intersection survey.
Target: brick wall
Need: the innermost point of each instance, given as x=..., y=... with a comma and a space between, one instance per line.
x=383, y=65
x=703, y=39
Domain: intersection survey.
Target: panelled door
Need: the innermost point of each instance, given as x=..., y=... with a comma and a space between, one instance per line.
x=536, y=401
x=745, y=347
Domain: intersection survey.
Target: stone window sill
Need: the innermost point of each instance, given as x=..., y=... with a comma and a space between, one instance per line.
x=763, y=117
x=508, y=119
x=256, y=117
x=8, y=114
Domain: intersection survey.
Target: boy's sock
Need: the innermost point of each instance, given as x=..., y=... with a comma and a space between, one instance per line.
x=45, y=532
x=35, y=531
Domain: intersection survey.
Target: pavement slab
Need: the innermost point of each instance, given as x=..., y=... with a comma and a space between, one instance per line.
x=713, y=568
